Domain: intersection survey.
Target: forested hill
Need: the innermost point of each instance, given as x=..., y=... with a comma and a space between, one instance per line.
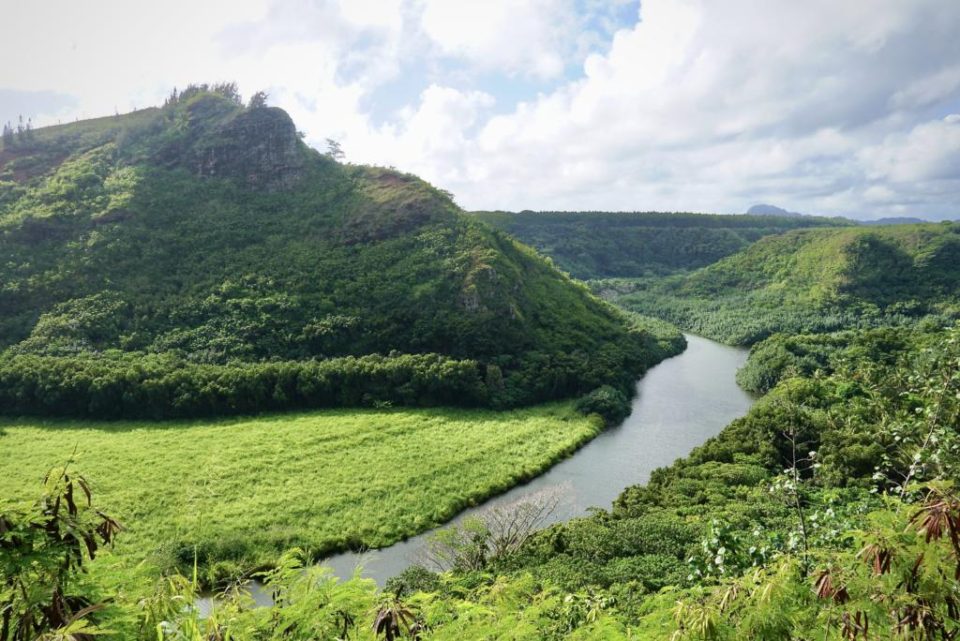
x=814, y=280
x=200, y=258
x=592, y=245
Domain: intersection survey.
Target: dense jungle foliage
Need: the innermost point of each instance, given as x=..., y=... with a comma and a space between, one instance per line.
x=592, y=245
x=828, y=512
x=812, y=280
x=205, y=234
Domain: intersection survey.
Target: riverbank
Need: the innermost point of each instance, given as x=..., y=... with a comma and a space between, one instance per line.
x=234, y=494
x=679, y=404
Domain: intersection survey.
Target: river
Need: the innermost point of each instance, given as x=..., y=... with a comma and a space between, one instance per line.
x=679, y=404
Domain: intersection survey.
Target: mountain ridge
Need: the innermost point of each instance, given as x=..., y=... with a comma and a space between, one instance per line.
x=762, y=209
x=815, y=280
x=593, y=245
x=209, y=232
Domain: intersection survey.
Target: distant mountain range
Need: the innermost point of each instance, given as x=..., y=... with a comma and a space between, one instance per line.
x=771, y=210
x=893, y=221
x=762, y=209
x=593, y=244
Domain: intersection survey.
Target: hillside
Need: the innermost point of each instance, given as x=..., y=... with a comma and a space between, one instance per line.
x=813, y=280
x=205, y=238
x=593, y=245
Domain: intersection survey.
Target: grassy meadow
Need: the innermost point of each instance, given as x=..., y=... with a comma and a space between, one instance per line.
x=237, y=492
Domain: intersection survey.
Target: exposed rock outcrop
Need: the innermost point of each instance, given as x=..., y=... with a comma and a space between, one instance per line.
x=258, y=146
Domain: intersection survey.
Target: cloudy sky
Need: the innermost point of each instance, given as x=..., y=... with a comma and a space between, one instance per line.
x=847, y=107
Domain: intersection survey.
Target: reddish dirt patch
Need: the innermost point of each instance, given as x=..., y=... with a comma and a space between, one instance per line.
x=390, y=179
x=23, y=174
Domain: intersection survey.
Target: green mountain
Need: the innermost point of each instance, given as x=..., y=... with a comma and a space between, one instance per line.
x=814, y=280
x=593, y=245
x=188, y=258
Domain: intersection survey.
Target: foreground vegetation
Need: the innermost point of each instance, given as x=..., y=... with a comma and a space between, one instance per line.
x=233, y=494
x=815, y=280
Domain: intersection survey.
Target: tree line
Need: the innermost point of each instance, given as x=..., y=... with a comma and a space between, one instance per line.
x=162, y=386
x=118, y=384
x=23, y=132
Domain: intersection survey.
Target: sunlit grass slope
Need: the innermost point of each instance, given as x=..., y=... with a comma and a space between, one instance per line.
x=598, y=244
x=813, y=280
x=238, y=492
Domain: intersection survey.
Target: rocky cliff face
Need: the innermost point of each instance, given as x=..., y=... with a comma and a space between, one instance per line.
x=258, y=146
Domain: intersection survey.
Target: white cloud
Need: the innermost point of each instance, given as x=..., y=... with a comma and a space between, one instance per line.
x=516, y=36
x=431, y=140
x=384, y=15
x=701, y=105
x=930, y=151
x=115, y=53
x=879, y=194
x=711, y=106
x=928, y=89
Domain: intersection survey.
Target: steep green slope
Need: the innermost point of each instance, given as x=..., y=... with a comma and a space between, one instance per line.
x=813, y=280
x=208, y=233
x=592, y=245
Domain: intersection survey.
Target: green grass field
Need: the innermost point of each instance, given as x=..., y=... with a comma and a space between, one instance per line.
x=240, y=491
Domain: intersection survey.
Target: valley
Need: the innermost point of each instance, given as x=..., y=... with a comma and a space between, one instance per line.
x=595, y=245
x=227, y=357
x=663, y=425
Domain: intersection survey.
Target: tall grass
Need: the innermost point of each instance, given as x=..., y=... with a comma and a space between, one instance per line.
x=235, y=493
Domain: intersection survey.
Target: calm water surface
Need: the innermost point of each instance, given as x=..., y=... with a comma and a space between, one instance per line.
x=680, y=403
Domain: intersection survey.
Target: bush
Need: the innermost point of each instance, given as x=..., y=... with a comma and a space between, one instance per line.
x=415, y=578
x=610, y=403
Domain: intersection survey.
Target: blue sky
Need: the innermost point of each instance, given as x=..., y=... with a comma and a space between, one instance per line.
x=838, y=108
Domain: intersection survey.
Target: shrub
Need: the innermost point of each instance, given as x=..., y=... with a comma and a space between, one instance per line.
x=610, y=403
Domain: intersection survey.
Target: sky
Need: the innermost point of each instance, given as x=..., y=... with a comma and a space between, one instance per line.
x=832, y=107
